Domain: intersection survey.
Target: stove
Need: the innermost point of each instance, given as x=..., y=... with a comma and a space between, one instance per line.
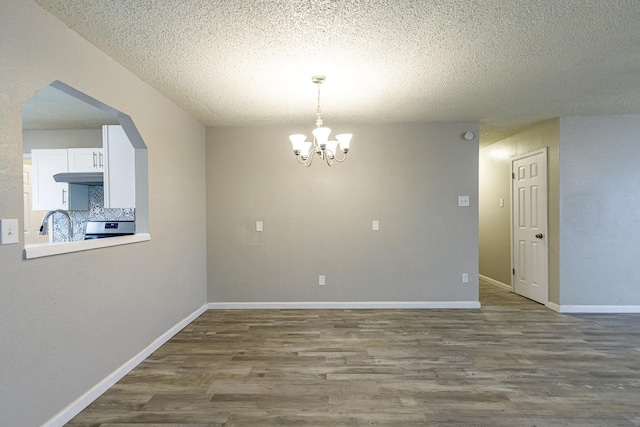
x=103, y=229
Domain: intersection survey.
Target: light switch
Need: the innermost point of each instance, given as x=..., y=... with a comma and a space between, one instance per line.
x=463, y=200
x=258, y=225
x=8, y=231
x=375, y=225
x=502, y=203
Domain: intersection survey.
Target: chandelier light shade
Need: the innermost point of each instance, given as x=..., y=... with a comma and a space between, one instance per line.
x=321, y=146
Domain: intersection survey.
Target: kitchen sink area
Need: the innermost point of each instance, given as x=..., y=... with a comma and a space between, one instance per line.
x=95, y=227
x=80, y=218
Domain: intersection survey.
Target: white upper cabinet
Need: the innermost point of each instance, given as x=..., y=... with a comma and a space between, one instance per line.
x=47, y=193
x=116, y=159
x=119, y=169
x=85, y=159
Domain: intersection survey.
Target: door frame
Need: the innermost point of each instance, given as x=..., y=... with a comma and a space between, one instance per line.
x=546, y=217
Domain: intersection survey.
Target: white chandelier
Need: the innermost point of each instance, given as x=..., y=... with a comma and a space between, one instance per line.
x=321, y=146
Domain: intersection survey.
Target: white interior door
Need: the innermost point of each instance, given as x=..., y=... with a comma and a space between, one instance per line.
x=529, y=216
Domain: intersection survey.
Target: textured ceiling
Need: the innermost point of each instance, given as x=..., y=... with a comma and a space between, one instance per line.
x=505, y=63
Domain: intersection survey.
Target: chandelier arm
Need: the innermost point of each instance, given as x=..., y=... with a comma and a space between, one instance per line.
x=330, y=154
x=300, y=160
x=328, y=159
x=340, y=160
x=309, y=160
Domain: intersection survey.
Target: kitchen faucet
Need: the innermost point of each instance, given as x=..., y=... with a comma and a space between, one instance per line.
x=45, y=222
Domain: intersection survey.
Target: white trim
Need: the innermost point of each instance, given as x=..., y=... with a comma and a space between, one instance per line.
x=553, y=306
x=528, y=154
x=614, y=309
x=602, y=309
x=495, y=283
x=343, y=305
x=75, y=407
x=38, y=250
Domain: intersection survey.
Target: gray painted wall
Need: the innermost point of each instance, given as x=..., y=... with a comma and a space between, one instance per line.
x=495, y=183
x=318, y=220
x=67, y=321
x=600, y=210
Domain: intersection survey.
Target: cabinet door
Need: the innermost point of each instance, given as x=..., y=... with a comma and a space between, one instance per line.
x=119, y=170
x=47, y=193
x=85, y=159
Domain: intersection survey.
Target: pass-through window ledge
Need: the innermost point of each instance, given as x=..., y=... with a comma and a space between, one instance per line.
x=39, y=250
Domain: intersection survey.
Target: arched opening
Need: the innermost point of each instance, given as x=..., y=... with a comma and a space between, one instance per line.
x=68, y=133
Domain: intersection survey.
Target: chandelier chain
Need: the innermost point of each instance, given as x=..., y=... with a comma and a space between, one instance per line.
x=319, y=117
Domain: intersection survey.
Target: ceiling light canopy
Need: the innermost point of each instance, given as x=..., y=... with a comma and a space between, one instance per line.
x=330, y=151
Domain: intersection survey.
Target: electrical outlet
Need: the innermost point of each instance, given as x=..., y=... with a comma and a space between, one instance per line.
x=8, y=231
x=375, y=225
x=259, y=226
x=463, y=200
x=321, y=280
x=465, y=278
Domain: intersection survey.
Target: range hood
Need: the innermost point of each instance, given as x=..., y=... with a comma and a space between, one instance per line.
x=84, y=178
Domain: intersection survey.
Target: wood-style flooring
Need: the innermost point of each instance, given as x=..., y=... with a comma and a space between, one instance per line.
x=511, y=363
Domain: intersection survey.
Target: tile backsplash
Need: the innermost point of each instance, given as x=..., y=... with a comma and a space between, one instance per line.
x=96, y=212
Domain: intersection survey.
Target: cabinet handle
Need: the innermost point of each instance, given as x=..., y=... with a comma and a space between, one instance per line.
x=101, y=157
x=64, y=201
x=95, y=160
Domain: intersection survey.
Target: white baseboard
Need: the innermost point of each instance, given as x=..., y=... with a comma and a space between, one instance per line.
x=495, y=282
x=343, y=305
x=613, y=309
x=75, y=407
x=553, y=306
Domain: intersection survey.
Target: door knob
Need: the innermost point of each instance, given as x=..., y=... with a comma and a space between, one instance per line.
x=539, y=235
